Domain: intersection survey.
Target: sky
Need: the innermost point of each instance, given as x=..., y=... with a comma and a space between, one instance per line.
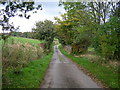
x=49, y=11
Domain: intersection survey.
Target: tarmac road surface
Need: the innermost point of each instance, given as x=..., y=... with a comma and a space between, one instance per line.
x=63, y=73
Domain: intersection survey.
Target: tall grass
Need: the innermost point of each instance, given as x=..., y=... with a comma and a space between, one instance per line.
x=18, y=55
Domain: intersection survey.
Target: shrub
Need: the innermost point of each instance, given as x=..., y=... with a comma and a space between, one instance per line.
x=106, y=41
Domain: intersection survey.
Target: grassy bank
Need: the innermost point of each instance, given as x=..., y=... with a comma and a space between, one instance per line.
x=24, y=63
x=30, y=76
x=106, y=75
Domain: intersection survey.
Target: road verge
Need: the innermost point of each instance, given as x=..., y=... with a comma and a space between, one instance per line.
x=101, y=74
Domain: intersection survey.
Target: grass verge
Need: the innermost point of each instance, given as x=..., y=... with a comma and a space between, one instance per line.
x=30, y=76
x=106, y=75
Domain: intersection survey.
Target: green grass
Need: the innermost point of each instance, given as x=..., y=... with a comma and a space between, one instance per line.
x=23, y=40
x=106, y=75
x=91, y=49
x=61, y=58
x=30, y=76
x=26, y=40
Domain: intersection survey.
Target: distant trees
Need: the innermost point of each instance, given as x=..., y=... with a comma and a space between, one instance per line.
x=22, y=34
x=45, y=31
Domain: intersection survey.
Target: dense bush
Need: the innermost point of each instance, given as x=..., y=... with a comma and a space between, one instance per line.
x=45, y=31
x=107, y=39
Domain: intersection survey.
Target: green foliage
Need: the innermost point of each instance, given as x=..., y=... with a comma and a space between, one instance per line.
x=28, y=77
x=95, y=23
x=45, y=31
x=75, y=28
x=64, y=30
x=106, y=75
x=23, y=34
x=107, y=39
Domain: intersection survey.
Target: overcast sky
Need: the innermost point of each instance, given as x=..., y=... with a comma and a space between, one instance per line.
x=49, y=11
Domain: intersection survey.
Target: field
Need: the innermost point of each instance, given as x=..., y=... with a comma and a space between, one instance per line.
x=22, y=40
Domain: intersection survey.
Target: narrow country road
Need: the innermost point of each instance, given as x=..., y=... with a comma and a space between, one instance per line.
x=63, y=73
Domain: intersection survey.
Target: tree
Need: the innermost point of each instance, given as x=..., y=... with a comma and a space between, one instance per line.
x=45, y=31
x=115, y=11
x=76, y=27
x=106, y=40
x=12, y=9
x=96, y=22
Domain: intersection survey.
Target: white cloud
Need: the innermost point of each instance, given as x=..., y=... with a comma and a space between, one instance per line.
x=50, y=10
